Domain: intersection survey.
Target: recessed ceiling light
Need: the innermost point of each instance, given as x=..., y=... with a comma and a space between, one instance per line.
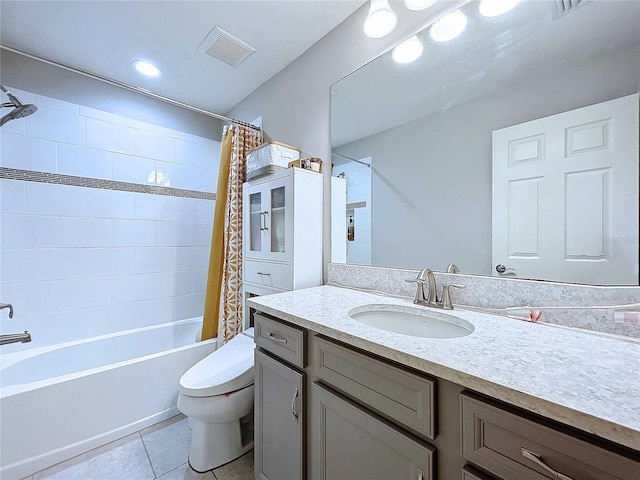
x=381, y=19
x=416, y=5
x=493, y=8
x=408, y=51
x=449, y=27
x=146, y=68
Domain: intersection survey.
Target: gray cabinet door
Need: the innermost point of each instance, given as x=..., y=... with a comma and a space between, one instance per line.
x=351, y=443
x=279, y=420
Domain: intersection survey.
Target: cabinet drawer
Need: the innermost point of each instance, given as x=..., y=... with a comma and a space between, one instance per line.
x=266, y=273
x=394, y=393
x=285, y=341
x=507, y=444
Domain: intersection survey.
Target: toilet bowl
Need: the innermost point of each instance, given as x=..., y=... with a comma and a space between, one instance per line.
x=216, y=394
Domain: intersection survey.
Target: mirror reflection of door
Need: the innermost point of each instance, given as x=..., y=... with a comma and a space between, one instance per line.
x=565, y=190
x=358, y=211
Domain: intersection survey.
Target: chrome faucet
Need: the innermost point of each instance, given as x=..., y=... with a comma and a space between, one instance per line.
x=431, y=299
x=15, y=338
x=9, y=306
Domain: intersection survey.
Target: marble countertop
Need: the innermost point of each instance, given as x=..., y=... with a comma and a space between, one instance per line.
x=590, y=381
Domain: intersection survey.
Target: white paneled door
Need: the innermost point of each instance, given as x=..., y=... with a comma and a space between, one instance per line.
x=565, y=196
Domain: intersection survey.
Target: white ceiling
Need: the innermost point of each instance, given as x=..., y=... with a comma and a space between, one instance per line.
x=492, y=53
x=105, y=37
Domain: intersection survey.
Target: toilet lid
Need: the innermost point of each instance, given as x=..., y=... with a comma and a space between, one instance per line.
x=227, y=369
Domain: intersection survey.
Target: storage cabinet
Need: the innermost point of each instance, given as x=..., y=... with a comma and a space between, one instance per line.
x=276, y=256
x=354, y=444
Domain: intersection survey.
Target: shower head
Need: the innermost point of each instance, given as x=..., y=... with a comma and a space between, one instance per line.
x=19, y=109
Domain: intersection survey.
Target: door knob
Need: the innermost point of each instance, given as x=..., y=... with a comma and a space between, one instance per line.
x=502, y=269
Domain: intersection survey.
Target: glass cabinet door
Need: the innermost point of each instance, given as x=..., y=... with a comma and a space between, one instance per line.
x=256, y=222
x=278, y=217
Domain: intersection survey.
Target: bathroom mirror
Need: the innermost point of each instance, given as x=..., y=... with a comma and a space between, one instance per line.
x=426, y=127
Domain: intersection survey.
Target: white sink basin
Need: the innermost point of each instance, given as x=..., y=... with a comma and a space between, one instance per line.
x=417, y=322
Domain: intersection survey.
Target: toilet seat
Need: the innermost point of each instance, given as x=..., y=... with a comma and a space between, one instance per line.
x=227, y=369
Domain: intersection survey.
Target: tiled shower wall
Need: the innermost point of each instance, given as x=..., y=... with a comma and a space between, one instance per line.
x=77, y=261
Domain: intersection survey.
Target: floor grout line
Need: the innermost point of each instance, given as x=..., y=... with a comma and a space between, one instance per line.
x=153, y=470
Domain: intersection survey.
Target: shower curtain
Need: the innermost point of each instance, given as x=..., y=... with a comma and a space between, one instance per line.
x=223, y=309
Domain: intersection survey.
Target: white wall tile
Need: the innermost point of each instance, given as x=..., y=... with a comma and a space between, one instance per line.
x=27, y=153
x=36, y=264
x=154, y=207
x=34, y=298
x=42, y=101
x=84, y=292
x=83, y=232
x=56, y=125
x=109, y=136
x=16, y=126
x=188, y=306
x=172, y=284
x=125, y=316
x=53, y=328
x=213, y=155
x=110, y=203
x=202, y=233
x=133, y=233
x=12, y=196
x=174, y=175
x=51, y=199
x=84, y=162
x=126, y=168
x=194, y=154
x=23, y=95
x=177, y=234
x=194, y=210
x=99, y=114
x=111, y=261
x=204, y=180
x=194, y=138
x=131, y=288
x=153, y=145
x=27, y=231
x=155, y=259
x=200, y=280
x=147, y=127
x=192, y=258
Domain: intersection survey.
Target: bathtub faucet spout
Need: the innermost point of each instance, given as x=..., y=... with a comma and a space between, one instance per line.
x=15, y=338
x=9, y=306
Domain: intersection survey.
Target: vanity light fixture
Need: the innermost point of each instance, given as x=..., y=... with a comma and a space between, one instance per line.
x=449, y=27
x=408, y=51
x=416, y=5
x=494, y=8
x=146, y=68
x=381, y=19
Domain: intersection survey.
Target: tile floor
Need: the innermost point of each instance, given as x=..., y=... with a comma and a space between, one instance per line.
x=157, y=452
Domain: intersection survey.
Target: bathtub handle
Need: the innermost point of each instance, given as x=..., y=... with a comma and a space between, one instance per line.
x=276, y=339
x=294, y=412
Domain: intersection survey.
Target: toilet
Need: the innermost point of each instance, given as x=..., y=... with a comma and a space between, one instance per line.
x=216, y=394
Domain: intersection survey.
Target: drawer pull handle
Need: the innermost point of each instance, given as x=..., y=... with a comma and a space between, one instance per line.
x=276, y=339
x=262, y=221
x=294, y=411
x=265, y=220
x=537, y=459
x=262, y=273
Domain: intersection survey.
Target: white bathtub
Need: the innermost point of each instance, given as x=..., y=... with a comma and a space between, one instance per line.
x=62, y=400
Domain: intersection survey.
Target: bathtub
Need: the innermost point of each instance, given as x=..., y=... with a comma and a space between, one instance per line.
x=62, y=400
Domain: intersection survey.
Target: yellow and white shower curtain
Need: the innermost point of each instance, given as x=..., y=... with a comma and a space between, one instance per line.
x=223, y=308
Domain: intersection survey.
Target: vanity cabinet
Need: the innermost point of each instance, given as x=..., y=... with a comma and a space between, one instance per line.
x=363, y=417
x=280, y=395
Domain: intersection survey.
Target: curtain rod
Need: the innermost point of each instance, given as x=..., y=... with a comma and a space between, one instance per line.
x=128, y=87
x=351, y=159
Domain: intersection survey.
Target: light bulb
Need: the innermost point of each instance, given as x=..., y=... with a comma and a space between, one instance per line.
x=408, y=51
x=381, y=19
x=448, y=27
x=146, y=68
x=493, y=8
x=416, y=5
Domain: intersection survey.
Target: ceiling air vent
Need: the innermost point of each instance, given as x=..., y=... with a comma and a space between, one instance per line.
x=562, y=7
x=225, y=47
